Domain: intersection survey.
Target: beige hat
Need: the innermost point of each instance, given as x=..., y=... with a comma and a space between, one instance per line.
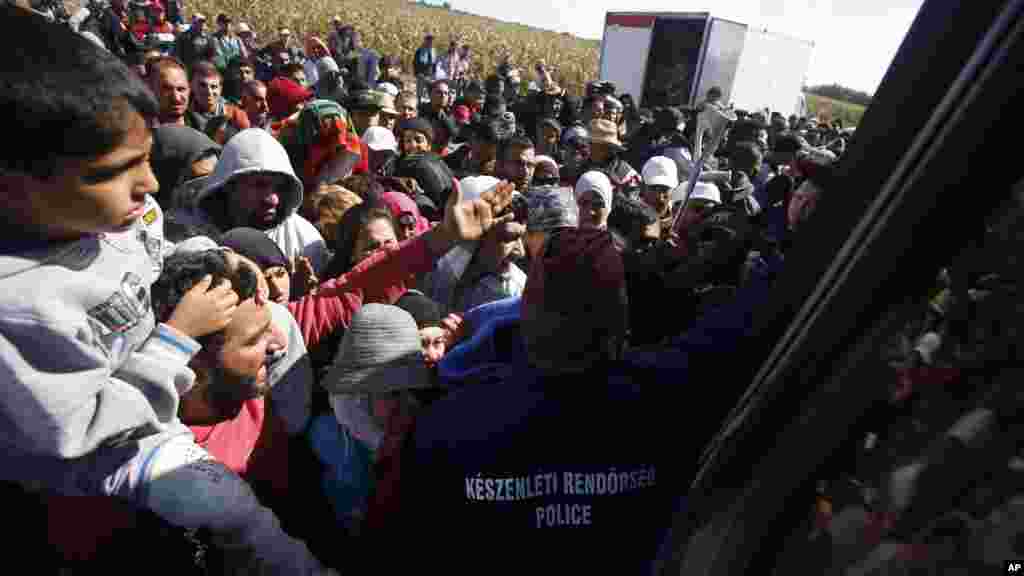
x=197, y=16
x=604, y=132
x=243, y=28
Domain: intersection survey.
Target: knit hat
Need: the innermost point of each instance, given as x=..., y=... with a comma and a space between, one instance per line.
x=378, y=138
x=661, y=171
x=380, y=352
x=597, y=182
x=575, y=299
x=551, y=208
x=425, y=311
x=256, y=246
x=420, y=125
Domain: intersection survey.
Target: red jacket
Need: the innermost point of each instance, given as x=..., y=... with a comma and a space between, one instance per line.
x=382, y=277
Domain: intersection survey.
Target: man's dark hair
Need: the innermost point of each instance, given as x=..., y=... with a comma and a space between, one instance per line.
x=205, y=69
x=292, y=68
x=351, y=224
x=183, y=270
x=714, y=92
x=746, y=155
x=628, y=216
x=57, y=82
x=156, y=65
x=485, y=133
x=517, y=141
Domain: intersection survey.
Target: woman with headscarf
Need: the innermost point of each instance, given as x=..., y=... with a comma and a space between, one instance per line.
x=181, y=159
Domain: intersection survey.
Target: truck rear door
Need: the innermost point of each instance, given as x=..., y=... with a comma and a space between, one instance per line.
x=673, y=65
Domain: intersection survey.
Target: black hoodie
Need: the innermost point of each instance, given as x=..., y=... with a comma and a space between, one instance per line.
x=175, y=149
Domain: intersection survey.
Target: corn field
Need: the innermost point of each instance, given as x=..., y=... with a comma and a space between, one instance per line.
x=397, y=27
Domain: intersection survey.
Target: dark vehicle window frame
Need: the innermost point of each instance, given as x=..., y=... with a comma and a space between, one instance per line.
x=923, y=173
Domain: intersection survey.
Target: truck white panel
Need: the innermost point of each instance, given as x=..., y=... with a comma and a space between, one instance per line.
x=771, y=72
x=721, y=58
x=624, y=58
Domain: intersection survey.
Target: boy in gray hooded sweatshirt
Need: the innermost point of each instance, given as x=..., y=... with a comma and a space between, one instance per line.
x=90, y=382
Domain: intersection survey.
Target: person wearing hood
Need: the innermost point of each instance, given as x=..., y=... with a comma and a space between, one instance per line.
x=330, y=84
x=321, y=141
x=594, y=199
x=408, y=222
x=254, y=185
x=182, y=158
x=93, y=377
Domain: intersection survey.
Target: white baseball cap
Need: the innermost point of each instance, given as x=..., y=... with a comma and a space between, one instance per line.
x=378, y=138
x=473, y=186
x=703, y=191
x=661, y=171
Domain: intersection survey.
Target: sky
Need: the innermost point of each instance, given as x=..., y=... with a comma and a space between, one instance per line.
x=854, y=40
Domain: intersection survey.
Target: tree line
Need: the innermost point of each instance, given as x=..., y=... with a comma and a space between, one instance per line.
x=837, y=92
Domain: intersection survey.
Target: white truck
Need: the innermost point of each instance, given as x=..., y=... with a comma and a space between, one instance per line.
x=673, y=59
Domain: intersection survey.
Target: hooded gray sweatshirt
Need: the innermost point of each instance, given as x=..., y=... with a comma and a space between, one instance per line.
x=91, y=386
x=253, y=151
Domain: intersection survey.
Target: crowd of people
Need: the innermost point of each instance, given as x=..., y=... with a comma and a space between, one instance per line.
x=297, y=309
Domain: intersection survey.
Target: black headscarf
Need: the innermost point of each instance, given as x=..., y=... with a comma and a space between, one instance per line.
x=175, y=149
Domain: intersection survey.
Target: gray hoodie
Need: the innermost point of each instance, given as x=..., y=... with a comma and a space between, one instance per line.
x=91, y=387
x=252, y=151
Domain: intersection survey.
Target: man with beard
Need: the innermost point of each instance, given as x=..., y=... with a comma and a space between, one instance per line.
x=255, y=185
x=256, y=105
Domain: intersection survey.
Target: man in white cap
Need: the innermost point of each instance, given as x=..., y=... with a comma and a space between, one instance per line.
x=594, y=199
x=383, y=148
x=705, y=197
x=661, y=177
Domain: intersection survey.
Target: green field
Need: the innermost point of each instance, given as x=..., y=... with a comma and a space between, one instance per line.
x=822, y=107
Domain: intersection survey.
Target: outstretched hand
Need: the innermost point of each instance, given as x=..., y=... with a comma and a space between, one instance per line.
x=470, y=220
